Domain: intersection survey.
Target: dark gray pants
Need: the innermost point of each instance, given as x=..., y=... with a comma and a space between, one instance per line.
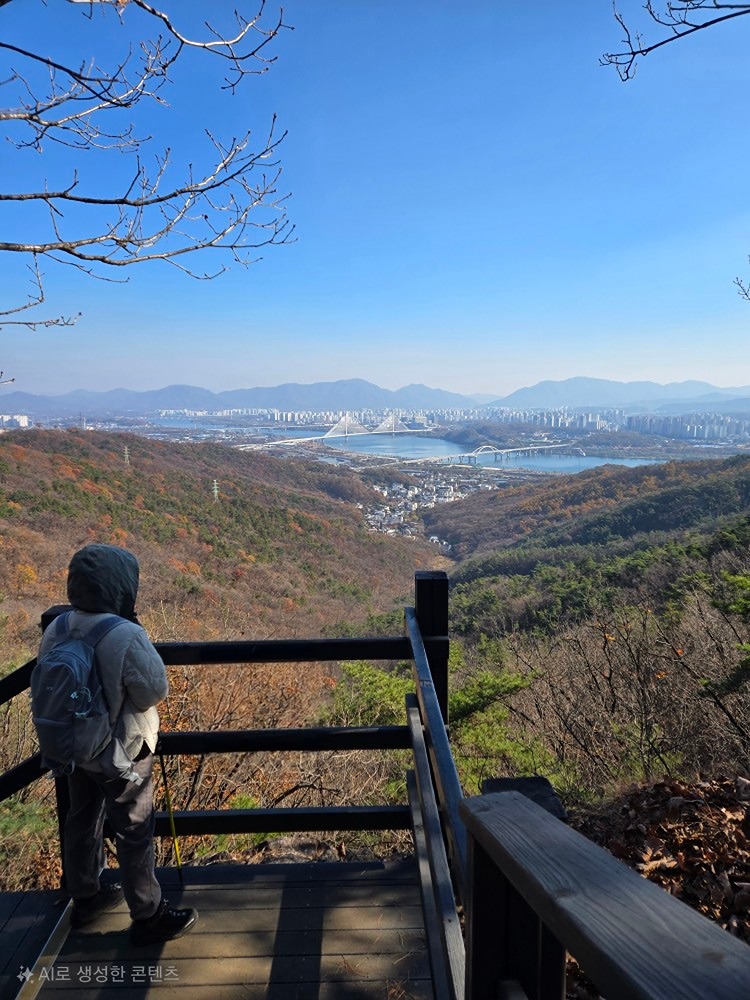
x=129, y=808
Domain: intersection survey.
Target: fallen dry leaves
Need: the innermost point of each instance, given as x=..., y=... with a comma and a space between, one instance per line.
x=692, y=839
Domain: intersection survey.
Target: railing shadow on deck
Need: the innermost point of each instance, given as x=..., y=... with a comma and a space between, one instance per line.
x=530, y=887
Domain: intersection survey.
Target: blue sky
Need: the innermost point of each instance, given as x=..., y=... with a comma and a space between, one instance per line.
x=478, y=206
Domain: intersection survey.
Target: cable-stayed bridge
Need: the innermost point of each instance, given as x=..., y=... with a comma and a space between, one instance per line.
x=347, y=426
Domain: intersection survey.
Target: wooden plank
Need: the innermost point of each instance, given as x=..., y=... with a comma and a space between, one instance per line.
x=265, y=651
x=236, y=969
x=16, y=681
x=634, y=940
x=487, y=956
x=211, y=940
x=193, y=883
x=257, y=920
x=392, y=989
x=553, y=962
x=47, y=955
x=523, y=936
x=238, y=876
x=305, y=896
x=284, y=933
x=173, y=886
x=34, y=917
x=8, y=903
x=24, y=935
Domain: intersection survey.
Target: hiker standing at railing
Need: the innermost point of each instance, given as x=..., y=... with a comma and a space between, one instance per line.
x=116, y=782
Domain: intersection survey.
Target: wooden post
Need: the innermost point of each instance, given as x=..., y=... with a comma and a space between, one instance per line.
x=486, y=926
x=509, y=951
x=431, y=608
x=50, y=614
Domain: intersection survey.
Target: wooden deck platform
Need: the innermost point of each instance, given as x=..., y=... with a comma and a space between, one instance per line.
x=282, y=932
x=27, y=919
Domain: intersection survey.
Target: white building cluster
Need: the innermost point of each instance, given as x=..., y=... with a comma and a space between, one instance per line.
x=692, y=427
x=11, y=421
x=397, y=514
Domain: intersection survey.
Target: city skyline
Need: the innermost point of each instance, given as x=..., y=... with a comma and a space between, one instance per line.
x=479, y=207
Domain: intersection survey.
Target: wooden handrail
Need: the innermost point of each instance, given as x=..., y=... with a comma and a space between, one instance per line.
x=537, y=886
x=447, y=925
x=267, y=651
x=283, y=651
x=444, y=770
x=267, y=740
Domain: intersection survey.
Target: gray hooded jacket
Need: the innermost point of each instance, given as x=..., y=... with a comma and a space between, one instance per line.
x=103, y=579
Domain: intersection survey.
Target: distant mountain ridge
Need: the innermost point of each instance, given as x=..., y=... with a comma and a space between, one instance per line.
x=581, y=392
x=357, y=394
x=348, y=394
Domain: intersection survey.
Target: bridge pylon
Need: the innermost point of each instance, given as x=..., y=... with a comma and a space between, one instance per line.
x=391, y=424
x=347, y=425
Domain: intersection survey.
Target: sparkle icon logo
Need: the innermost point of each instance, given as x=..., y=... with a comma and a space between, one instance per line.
x=25, y=974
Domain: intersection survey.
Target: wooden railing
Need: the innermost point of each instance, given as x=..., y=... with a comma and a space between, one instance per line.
x=432, y=807
x=532, y=889
x=538, y=888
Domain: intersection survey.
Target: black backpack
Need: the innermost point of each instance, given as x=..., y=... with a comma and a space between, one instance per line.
x=68, y=705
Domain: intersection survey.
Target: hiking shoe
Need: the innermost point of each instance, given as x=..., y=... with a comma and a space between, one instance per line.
x=85, y=911
x=164, y=925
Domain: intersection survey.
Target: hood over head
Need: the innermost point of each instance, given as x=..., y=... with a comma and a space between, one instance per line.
x=104, y=578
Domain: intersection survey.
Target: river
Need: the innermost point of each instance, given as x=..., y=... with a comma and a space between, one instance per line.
x=408, y=446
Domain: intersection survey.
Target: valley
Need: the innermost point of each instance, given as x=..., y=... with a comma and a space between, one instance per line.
x=600, y=622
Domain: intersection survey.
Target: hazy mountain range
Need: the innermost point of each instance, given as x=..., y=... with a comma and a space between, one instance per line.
x=355, y=394
x=579, y=392
x=348, y=394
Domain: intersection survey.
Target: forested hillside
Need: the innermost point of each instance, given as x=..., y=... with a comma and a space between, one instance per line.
x=600, y=622
x=608, y=618
x=601, y=506
x=281, y=551
x=616, y=606
x=282, y=547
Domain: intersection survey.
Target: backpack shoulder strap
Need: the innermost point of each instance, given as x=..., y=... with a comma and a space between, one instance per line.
x=95, y=635
x=61, y=625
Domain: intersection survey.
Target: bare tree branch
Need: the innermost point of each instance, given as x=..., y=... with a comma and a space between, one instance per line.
x=161, y=210
x=36, y=298
x=743, y=288
x=677, y=19
x=680, y=18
